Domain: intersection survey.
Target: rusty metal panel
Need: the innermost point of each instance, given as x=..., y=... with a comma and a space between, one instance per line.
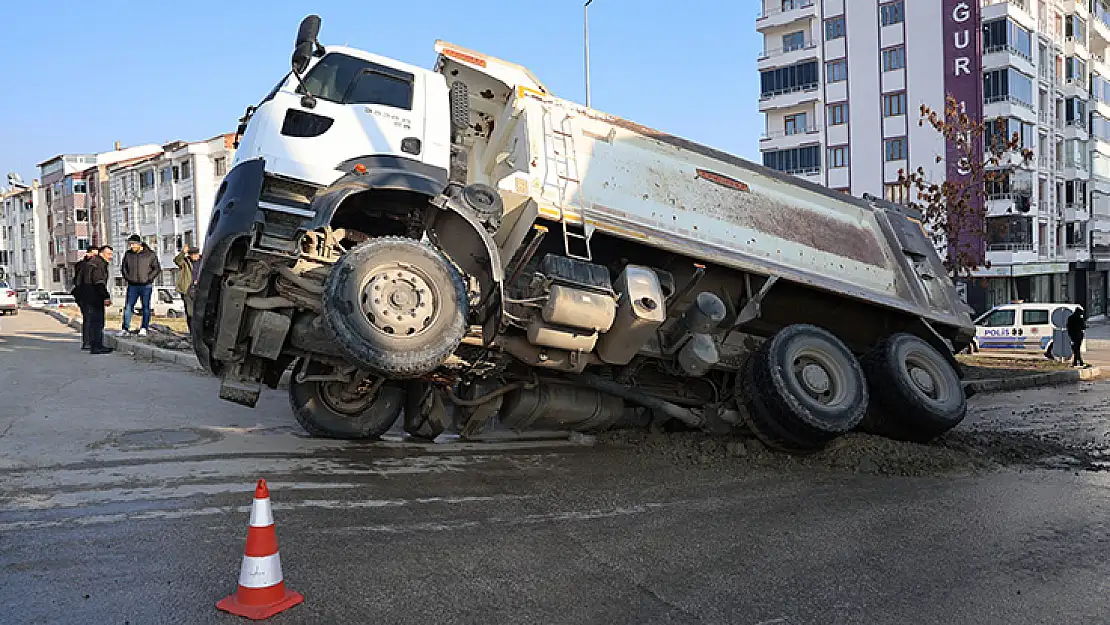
x=640, y=184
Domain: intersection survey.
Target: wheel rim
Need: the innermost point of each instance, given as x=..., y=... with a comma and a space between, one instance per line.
x=820, y=377
x=926, y=377
x=339, y=399
x=400, y=300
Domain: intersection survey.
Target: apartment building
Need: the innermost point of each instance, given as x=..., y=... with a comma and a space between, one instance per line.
x=842, y=82
x=23, y=236
x=73, y=187
x=167, y=198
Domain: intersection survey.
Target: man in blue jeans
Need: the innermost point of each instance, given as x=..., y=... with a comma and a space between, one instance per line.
x=140, y=268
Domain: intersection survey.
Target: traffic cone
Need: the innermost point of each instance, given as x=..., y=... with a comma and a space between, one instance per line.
x=262, y=592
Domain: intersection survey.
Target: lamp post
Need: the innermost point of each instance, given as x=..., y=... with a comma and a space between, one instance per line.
x=586, y=11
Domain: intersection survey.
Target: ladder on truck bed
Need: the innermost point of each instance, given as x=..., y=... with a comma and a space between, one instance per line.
x=563, y=173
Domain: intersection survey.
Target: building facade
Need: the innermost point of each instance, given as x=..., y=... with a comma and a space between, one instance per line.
x=24, y=258
x=842, y=82
x=166, y=198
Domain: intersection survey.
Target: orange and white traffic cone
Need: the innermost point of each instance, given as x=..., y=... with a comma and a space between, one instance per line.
x=262, y=592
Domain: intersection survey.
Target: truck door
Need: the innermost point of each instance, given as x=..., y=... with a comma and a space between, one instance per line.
x=996, y=329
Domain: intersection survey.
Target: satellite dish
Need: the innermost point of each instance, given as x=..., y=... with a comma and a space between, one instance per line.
x=15, y=179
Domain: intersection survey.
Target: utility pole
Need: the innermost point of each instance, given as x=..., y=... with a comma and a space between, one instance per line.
x=586, y=9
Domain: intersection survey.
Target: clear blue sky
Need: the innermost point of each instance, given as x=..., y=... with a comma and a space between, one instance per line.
x=79, y=76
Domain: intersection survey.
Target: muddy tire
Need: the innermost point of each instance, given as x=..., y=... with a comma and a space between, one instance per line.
x=395, y=306
x=323, y=413
x=802, y=388
x=917, y=396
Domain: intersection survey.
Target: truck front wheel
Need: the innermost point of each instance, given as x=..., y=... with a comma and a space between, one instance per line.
x=918, y=395
x=330, y=409
x=803, y=388
x=395, y=306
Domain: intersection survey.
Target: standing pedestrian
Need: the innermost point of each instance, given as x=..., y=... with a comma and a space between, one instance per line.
x=188, y=266
x=1077, y=324
x=140, y=268
x=94, y=293
x=80, y=275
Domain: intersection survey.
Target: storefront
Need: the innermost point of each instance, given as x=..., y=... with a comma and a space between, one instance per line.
x=1089, y=281
x=1033, y=282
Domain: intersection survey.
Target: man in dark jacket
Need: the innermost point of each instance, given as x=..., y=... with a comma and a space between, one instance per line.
x=1077, y=324
x=94, y=298
x=80, y=274
x=140, y=268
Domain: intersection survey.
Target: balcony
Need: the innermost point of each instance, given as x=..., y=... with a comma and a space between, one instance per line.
x=1075, y=47
x=780, y=12
x=1076, y=212
x=1075, y=88
x=1100, y=23
x=780, y=139
x=1020, y=4
x=1076, y=129
x=787, y=98
x=1004, y=55
x=1011, y=253
x=1008, y=106
x=789, y=55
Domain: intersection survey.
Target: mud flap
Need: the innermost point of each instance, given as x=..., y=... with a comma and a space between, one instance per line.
x=463, y=239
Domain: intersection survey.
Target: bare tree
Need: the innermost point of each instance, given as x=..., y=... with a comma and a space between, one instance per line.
x=954, y=211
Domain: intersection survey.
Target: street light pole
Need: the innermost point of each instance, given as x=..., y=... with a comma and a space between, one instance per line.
x=586, y=10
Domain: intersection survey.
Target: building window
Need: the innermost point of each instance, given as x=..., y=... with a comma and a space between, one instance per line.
x=894, y=104
x=167, y=210
x=893, y=13
x=1075, y=28
x=838, y=156
x=177, y=208
x=794, y=41
x=894, y=58
x=1007, y=85
x=187, y=205
x=834, y=28
x=1075, y=70
x=805, y=160
x=800, y=77
x=794, y=124
x=895, y=149
x=83, y=244
x=185, y=174
x=167, y=244
x=836, y=71
x=895, y=192
x=146, y=179
x=81, y=215
x=189, y=238
x=79, y=186
x=221, y=166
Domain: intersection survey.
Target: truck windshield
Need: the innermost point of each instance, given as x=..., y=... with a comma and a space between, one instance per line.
x=347, y=80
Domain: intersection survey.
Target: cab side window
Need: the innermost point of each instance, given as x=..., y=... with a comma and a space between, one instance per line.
x=1034, y=317
x=1000, y=319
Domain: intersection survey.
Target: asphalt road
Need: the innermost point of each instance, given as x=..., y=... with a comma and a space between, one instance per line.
x=124, y=490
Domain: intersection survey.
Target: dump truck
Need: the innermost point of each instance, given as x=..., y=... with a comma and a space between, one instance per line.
x=463, y=247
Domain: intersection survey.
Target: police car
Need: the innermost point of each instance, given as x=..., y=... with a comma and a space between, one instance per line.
x=1018, y=326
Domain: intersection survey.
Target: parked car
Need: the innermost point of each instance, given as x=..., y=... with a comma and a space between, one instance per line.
x=164, y=302
x=9, y=304
x=1018, y=325
x=61, y=300
x=37, y=298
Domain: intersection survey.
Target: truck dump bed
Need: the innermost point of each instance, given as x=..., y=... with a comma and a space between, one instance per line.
x=558, y=160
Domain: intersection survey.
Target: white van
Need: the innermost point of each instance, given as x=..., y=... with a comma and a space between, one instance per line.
x=1018, y=326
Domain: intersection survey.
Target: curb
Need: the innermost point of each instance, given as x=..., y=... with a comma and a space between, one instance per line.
x=1055, y=378
x=139, y=350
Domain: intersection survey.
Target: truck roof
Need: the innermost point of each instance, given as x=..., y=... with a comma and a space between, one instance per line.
x=374, y=58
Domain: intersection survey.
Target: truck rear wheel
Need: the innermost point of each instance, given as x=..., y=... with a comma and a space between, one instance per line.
x=326, y=410
x=918, y=395
x=395, y=306
x=803, y=388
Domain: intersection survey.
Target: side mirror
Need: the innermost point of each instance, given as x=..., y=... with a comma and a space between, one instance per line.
x=309, y=30
x=302, y=54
